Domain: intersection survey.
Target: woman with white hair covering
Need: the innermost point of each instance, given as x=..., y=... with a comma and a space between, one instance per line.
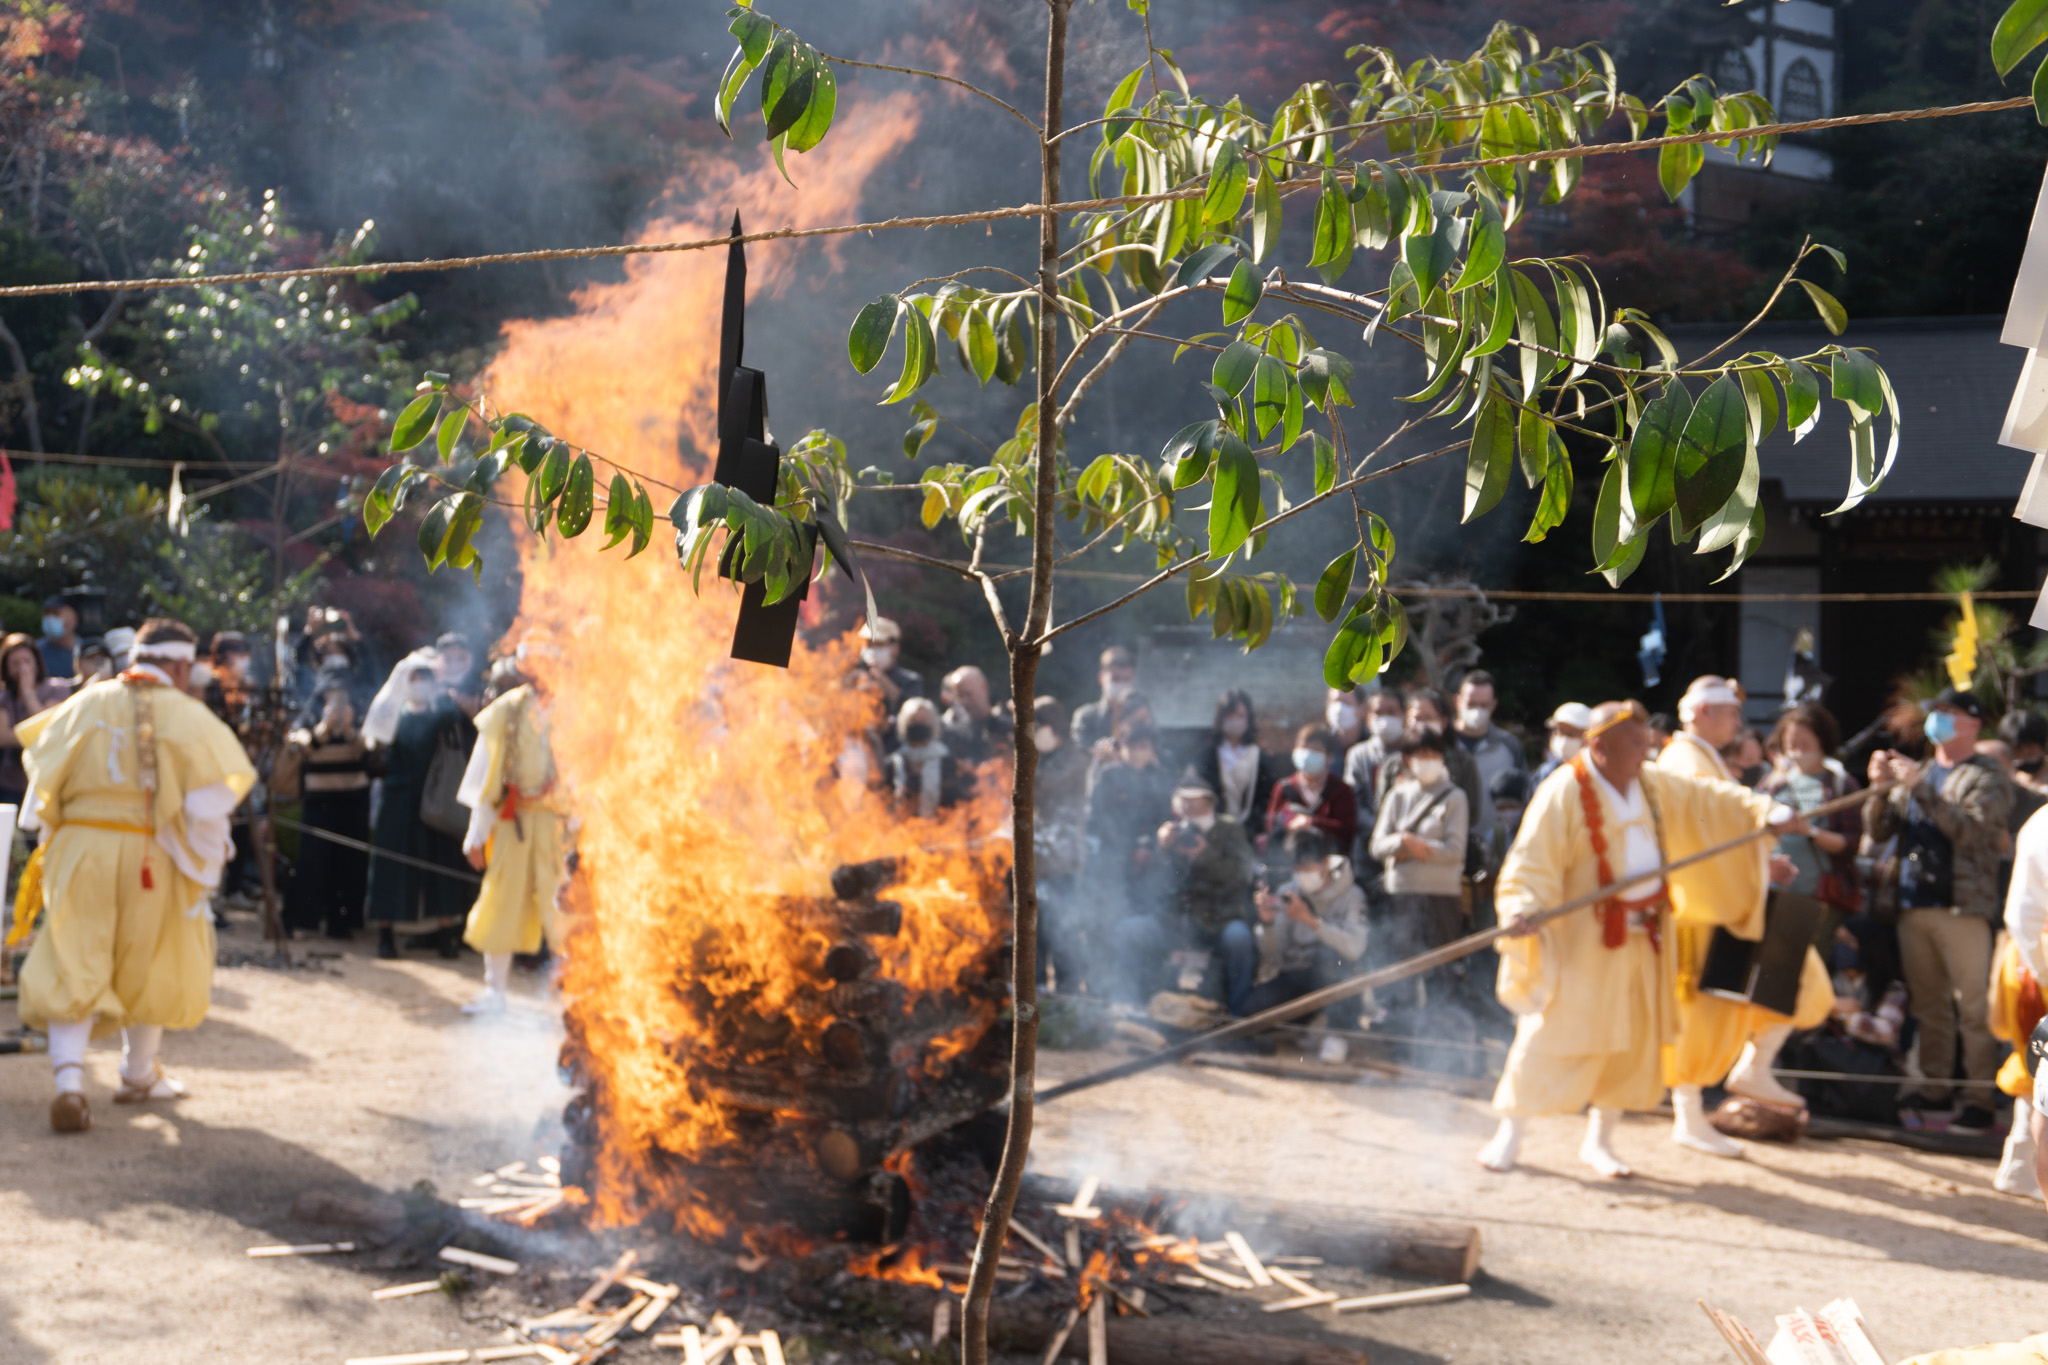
x=411, y=744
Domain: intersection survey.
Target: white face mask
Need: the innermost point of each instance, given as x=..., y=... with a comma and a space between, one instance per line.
x=1312, y=879
x=1564, y=748
x=1342, y=715
x=1475, y=717
x=1045, y=737
x=420, y=694
x=1117, y=691
x=202, y=673
x=878, y=656
x=1385, y=729
x=334, y=661
x=1312, y=762
x=1205, y=822
x=1427, y=771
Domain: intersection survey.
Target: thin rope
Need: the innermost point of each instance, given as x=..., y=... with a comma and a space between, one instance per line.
x=584, y=253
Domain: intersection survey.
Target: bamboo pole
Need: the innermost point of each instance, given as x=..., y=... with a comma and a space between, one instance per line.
x=1422, y=962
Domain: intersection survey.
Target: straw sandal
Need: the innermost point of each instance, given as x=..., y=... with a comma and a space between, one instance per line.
x=157, y=1087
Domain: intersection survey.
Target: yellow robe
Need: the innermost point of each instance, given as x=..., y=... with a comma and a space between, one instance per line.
x=1727, y=892
x=1594, y=1019
x=523, y=868
x=2016, y=1007
x=110, y=948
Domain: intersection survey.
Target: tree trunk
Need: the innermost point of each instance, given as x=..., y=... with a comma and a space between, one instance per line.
x=1025, y=646
x=29, y=418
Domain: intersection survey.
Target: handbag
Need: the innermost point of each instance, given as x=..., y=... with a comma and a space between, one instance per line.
x=439, y=810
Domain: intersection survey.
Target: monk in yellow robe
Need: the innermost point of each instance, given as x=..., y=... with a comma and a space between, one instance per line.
x=1719, y=1038
x=516, y=836
x=132, y=783
x=1593, y=989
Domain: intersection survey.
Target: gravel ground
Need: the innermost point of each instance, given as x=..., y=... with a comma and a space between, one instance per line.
x=128, y=1243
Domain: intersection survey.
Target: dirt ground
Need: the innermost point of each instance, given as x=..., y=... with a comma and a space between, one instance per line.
x=128, y=1243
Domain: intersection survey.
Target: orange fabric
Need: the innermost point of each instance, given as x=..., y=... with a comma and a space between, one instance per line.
x=1614, y=912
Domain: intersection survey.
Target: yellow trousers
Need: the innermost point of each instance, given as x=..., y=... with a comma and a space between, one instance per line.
x=111, y=949
x=515, y=906
x=1539, y=1081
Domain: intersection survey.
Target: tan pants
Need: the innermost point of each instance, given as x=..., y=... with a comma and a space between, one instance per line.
x=1947, y=962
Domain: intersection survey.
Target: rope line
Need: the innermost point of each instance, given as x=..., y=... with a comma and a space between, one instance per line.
x=584, y=253
x=375, y=852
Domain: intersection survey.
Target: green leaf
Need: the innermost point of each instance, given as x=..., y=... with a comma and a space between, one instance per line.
x=1534, y=328
x=1265, y=213
x=925, y=423
x=381, y=502
x=1234, y=366
x=2039, y=90
x=816, y=119
x=1652, y=463
x=1710, y=452
x=1269, y=394
x=1326, y=464
x=1228, y=178
x=579, y=493
x=1333, y=230
x=618, y=511
x=1202, y=591
x=1190, y=451
x=415, y=422
x=554, y=469
x=643, y=520
x=1237, y=505
x=1243, y=293
x=433, y=536
x=450, y=433
x=1533, y=434
x=786, y=80
x=755, y=32
x=1335, y=585
x=1489, y=458
x=1556, y=498
x=1835, y=255
x=1291, y=415
x=1832, y=314
x=982, y=351
x=1487, y=250
x=1326, y=379
x=1732, y=518
x=1607, y=514
x=1802, y=398
x=1431, y=255
x=868, y=338
x=2022, y=28
x=919, y=356
x=1117, y=122
x=1762, y=400
x=1200, y=265
x=1126, y=91
x=1677, y=164
x=1854, y=378
x=1499, y=304
x=1626, y=560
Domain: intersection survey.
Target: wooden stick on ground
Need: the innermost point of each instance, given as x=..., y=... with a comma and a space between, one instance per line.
x=1059, y=1338
x=771, y=1347
x=310, y=1249
x=607, y=1279
x=1083, y=1206
x=405, y=1291
x=1098, y=1330
x=1222, y=1277
x=497, y=1265
x=1289, y=1280
x=1437, y=1294
x=1248, y=1258
x=416, y=1358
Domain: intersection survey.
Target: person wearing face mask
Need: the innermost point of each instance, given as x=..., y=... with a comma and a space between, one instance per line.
x=60, y=638
x=328, y=646
x=327, y=766
x=95, y=664
x=1059, y=796
x=924, y=776
x=1494, y=751
x=1235, y=767
x=1720, y=1039
x=1315, y=796
x=1382, y=731
x=1949, y=816
x=1567, y=726
x=1428, y=710
x=1207, y=870
x=1595, y=990
x=1419, y=841
x=1095, y=724
x=2025, y=732
x=1311, y=934
x=1344, y=713
x=973, y=729
x=878, y=672
x=402, y=897
x=1128, y=796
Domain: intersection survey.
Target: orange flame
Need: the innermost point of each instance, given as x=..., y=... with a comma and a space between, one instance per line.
x=704, y=787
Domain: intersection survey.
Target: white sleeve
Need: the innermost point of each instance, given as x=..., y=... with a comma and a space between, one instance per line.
x=483, y=817
x=2026, y=903
x=208, y=842
x=29, y=819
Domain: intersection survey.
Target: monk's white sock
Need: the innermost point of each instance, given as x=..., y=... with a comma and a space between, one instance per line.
x=67, y=1054
x=139, y=1043
x=1689, y=1126
x=497, y=971
x=2016, y=1171
x=1597, y=1150
x=1500, y=1153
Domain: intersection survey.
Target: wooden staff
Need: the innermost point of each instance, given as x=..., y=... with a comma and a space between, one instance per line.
x=1422, y=962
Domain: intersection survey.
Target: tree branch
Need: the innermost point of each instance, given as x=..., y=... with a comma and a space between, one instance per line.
x=937, y=76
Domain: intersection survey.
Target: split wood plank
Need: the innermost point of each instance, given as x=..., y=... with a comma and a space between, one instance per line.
x=506, y=1352
x=771, y=1347
x=1034, y=1241
x=612, y=1324
x=1193, y=1282
x=1294, y=1260
x=1247, y=1258
x=608, y=1278
x=942, y=1319
x=1437, y=1294
x=656, y=1305
x=497, y=1265
x=1289, y=1280
x=1083, y=1207
x=1222, y=1277
x=1098, y=1331
x=1073, y=1247
x=309, y=1249
x=652, y=1288
x=405, y=1291
x=1310, y=1300
x=1059, y=1338
x=552, y=1165
x=415, y=1358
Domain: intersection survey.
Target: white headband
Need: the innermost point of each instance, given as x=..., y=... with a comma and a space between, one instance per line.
x=1713, y=694
x=170, y=651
